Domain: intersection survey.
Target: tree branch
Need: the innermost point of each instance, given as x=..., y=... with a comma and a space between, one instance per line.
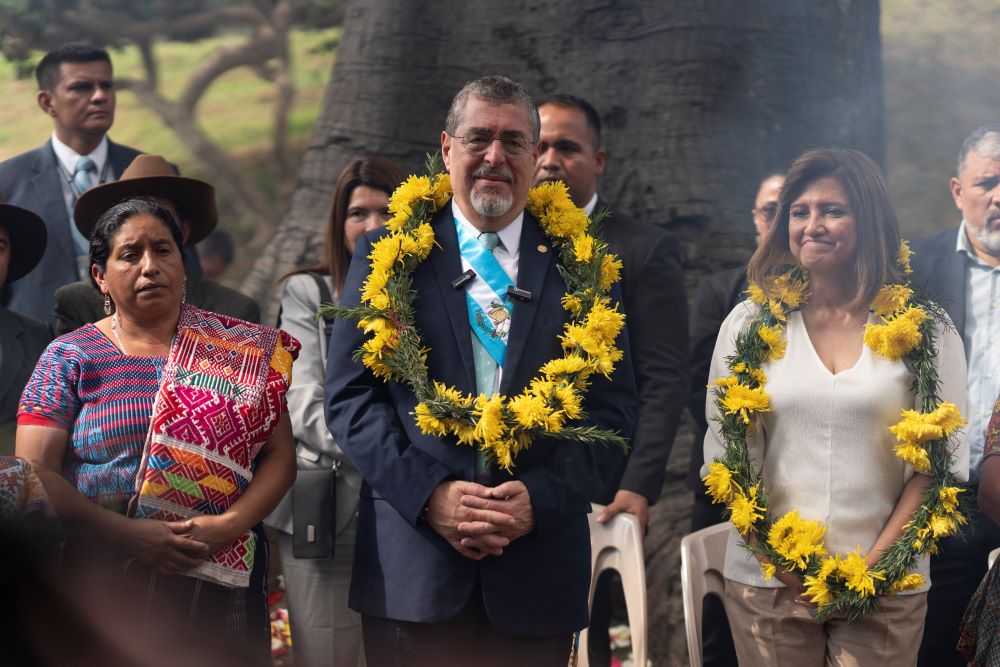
x=257, y=49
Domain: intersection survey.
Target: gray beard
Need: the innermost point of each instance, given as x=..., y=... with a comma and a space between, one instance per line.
x=491, y=205
x=988, y=239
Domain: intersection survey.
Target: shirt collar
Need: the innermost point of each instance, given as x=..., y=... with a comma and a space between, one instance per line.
x=591, y=205
x=510, y=236
x=964, y=245
x=68, y=157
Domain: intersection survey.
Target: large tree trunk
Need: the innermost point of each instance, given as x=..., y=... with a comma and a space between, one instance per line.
x=700, y=99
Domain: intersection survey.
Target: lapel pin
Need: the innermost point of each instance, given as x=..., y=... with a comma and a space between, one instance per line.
x=543, y=248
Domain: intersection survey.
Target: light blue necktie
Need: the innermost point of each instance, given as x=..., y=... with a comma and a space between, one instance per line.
x=82, y=181
x=486, y=367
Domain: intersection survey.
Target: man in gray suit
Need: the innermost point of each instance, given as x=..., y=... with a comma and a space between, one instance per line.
x=22, y=339
x=76, y=88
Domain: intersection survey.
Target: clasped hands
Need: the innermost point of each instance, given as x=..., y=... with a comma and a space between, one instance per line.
x=177, y=546
x=479, y=521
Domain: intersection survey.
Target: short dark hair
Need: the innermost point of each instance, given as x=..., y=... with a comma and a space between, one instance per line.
x=567, y=101
x=874, y=216
x=984, y=140
x=495, y=90
x=107, y=226
x=47, y=70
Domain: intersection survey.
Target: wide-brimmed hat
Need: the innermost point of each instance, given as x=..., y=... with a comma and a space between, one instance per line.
x=151, y=176
x=27, y=238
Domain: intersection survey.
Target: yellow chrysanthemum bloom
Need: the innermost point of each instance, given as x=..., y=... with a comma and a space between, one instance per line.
x=428, y=423
x=777, y=309
x=502, y=451
x=424, y=236
x=567, y=365
x=570, y=400
x=572, y=304
x=915, y=455
x=727, y=381
x=544, y=194
x=604, y=323
x=797, y=539
x=741, y=400
x=768, y=570
x=489, y=418
x=916, y=427
x=409, y=192
x=583, y=248
x=891, y=299
x=856, y=575
x=947, y=417
x=949, y=497
x=898, y=336
x=719, y=482
x=744, y=511
x=908, y=582
x=442, y=190
x=817, y=587
x=756, y=294
x=611, y=271
x=903, y=257
x=774, y=339
x=789, y=290
x=452, y=395
x=942, y=525
x=530, y=411
x=397, y=221
x=758, y=376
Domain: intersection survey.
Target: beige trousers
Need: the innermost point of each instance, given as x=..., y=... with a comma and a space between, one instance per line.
x=770, y=629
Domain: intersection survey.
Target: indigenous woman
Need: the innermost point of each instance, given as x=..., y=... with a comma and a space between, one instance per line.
x=324, y=629
x=161, y=432
x=813, y=371
x=979, y=632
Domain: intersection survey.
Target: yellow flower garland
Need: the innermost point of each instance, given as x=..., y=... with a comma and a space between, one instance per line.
x=500, y=426
x=837, y=582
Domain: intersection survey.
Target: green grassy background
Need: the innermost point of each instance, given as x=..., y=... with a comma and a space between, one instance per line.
x=236, y=111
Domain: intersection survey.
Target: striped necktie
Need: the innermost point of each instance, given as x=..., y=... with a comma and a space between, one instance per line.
x=82, y=181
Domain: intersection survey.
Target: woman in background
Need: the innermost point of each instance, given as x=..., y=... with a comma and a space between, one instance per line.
x=325, y=633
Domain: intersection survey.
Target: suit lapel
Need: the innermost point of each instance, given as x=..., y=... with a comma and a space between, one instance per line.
x=120, y=160
x=13, y=353
x=533, y=267
x=46, y=179
x=954, y=280
x=447, y=266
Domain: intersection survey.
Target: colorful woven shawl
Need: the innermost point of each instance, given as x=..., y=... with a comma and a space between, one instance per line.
x=222, y=394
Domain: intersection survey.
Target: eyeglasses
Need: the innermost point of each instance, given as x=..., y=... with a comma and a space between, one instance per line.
x=767, y=212
x=514, y=143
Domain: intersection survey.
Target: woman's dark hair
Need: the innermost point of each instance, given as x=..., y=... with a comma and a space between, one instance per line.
x=878, y=232
x=371, y=172
x=107, y=226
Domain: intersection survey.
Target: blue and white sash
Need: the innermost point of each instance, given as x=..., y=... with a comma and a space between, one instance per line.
x=490, y=309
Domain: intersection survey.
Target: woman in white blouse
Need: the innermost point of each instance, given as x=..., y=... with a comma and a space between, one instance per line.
x=824, y=448
x=324, y=630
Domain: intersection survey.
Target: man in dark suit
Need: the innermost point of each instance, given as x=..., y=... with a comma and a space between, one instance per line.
x=76, y=88
x=190, y=200
x=656, y=306
x=960, y=269
x=456, y=564
x=22, y=339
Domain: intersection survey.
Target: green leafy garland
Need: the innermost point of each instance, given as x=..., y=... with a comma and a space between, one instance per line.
x=838, y=583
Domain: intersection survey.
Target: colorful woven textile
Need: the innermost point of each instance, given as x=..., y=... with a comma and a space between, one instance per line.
x=222, y=394
x=21, y=492
x=84, y=385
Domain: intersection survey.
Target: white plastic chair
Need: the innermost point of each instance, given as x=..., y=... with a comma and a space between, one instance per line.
x=703, y=555
x=617, y=545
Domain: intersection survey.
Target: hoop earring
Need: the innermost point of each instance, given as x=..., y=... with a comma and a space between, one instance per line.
x=107, y=304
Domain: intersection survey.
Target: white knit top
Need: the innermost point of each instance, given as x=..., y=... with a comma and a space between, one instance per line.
x=825, y=448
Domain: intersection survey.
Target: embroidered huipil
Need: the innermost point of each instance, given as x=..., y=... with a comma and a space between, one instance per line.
x=825, y=448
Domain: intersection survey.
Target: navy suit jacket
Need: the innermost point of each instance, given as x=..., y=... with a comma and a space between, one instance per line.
x=32, y=180
x=405, y=571
x=940, y=269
